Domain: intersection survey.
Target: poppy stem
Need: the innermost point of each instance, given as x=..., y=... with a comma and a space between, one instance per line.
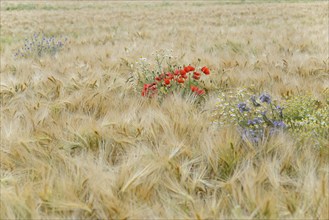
x=189, y=81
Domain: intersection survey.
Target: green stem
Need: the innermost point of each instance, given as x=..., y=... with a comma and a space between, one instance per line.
x=189, y=81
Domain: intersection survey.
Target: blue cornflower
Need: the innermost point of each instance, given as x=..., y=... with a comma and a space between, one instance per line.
x=254, y=102
x=279, y=124
x=243, y=107
x=265, y=98
x=254, y=136
x=255, y=121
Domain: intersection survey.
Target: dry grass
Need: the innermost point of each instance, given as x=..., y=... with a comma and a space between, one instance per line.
x=77, y=142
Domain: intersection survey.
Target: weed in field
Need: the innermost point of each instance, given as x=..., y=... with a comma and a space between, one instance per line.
x=307, y=117
x=39, y=45
x=161, y=81
x=256, y=116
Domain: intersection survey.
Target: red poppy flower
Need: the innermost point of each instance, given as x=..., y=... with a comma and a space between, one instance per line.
x=189, y=68
x=157, y=78
x=182, y=72
x=205, y=70
x=167, y=81
x=200, y=92
x=180, y=80
x=184, y=76
x=194, y=88
x=145, y=89
x=177, y=72
x=196, y=75
x=197, y=90
x=170, y=76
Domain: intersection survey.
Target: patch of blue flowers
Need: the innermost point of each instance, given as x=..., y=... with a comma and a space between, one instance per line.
x=39, y=45
x=259, y=117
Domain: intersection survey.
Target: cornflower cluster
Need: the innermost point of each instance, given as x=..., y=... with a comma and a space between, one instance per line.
x=256, y=116
x=39, y=45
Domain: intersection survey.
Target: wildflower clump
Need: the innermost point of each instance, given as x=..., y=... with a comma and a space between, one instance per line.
x=160, y=80
x=39, y=45
x=307, y=116
x=259, y=116
x=256, y=116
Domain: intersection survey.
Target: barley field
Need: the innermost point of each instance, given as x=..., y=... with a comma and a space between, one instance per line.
x=79, y=141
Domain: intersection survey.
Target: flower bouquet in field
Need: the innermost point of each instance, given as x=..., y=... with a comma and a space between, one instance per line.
x=161, y=81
